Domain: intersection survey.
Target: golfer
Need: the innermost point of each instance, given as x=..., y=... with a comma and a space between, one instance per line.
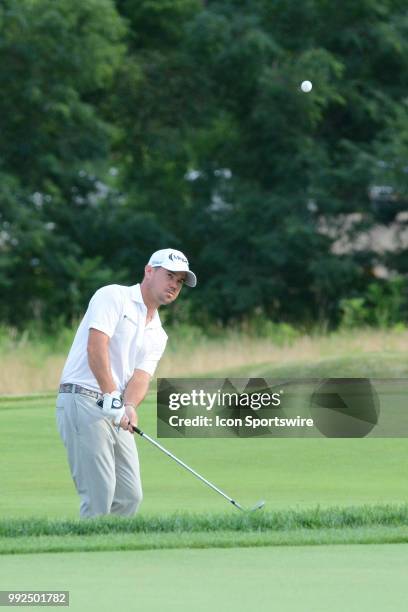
x=115, y=352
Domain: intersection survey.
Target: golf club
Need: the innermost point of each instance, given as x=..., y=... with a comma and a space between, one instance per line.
x=257, y=506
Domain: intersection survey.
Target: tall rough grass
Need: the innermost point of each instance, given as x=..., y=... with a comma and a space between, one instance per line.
x=278, y=520
x=32, y=362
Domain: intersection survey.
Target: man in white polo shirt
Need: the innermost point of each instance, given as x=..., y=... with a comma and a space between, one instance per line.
x=115, y=352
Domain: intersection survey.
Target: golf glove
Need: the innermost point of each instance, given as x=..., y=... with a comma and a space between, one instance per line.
x=112, y=406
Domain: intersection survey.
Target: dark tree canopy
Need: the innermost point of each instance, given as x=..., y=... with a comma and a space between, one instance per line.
x=129, y=126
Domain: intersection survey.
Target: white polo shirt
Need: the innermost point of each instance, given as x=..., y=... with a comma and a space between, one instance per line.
x=119, y=312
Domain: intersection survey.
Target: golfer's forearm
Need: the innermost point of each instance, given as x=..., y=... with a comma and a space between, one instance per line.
x=98, y=359
x=102, y=375
x=137, y=388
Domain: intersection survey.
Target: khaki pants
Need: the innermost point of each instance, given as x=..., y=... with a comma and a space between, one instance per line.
x=104, y=463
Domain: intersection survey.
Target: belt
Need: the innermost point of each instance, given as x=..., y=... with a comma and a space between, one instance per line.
x=70, y=388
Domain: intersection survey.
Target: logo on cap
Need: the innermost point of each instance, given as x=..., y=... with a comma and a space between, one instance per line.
x=174, y=257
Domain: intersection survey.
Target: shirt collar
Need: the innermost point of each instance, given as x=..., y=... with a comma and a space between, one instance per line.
x=136, y=295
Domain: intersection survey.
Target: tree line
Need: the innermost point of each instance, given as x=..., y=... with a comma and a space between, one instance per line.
x=131, y=126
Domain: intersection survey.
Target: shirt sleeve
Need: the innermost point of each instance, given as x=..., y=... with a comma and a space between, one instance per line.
x=105, y=309
x=153, y=349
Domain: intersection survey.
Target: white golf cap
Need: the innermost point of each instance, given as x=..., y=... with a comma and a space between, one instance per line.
x=175, y=261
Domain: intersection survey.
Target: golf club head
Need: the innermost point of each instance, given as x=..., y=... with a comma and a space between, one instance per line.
x=258, y=505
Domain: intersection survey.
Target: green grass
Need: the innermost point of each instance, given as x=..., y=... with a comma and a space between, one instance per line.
x=32, y=361
x=259, y=521
x=284, y=578
x=287, y=473
x=317, y=490
x=218, y=539
x=364, y=525
x=380, y=364
x=333, y=534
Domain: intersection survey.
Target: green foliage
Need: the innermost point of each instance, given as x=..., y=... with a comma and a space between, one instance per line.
x=353, y=312
x=186, y=335
x=56, y=59
x=280, y=334
x=130, y=126
x=385, y=301
x=383, y=305
x=257, y=327
x=157, y=23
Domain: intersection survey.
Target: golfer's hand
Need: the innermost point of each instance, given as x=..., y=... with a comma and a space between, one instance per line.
x=124, y=422
x=112, y=407
x=130, y=418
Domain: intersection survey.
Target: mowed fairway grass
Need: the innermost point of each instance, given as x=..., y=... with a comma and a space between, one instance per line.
x=333, y=534
x=286, y=473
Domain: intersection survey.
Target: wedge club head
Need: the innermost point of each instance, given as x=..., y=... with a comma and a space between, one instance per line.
x=258, y=505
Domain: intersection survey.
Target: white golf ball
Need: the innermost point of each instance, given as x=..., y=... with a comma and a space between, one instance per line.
x=306, y=86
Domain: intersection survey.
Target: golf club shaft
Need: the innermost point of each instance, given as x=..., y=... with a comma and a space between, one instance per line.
x=184, y=465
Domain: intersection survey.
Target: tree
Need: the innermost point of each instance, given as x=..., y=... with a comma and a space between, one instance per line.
x=57, y=61
x=227, y=149
x=181, y=123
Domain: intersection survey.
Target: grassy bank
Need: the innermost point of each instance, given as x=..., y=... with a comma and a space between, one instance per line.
x=203, y=540
x=387, y=515
x=336, y=525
